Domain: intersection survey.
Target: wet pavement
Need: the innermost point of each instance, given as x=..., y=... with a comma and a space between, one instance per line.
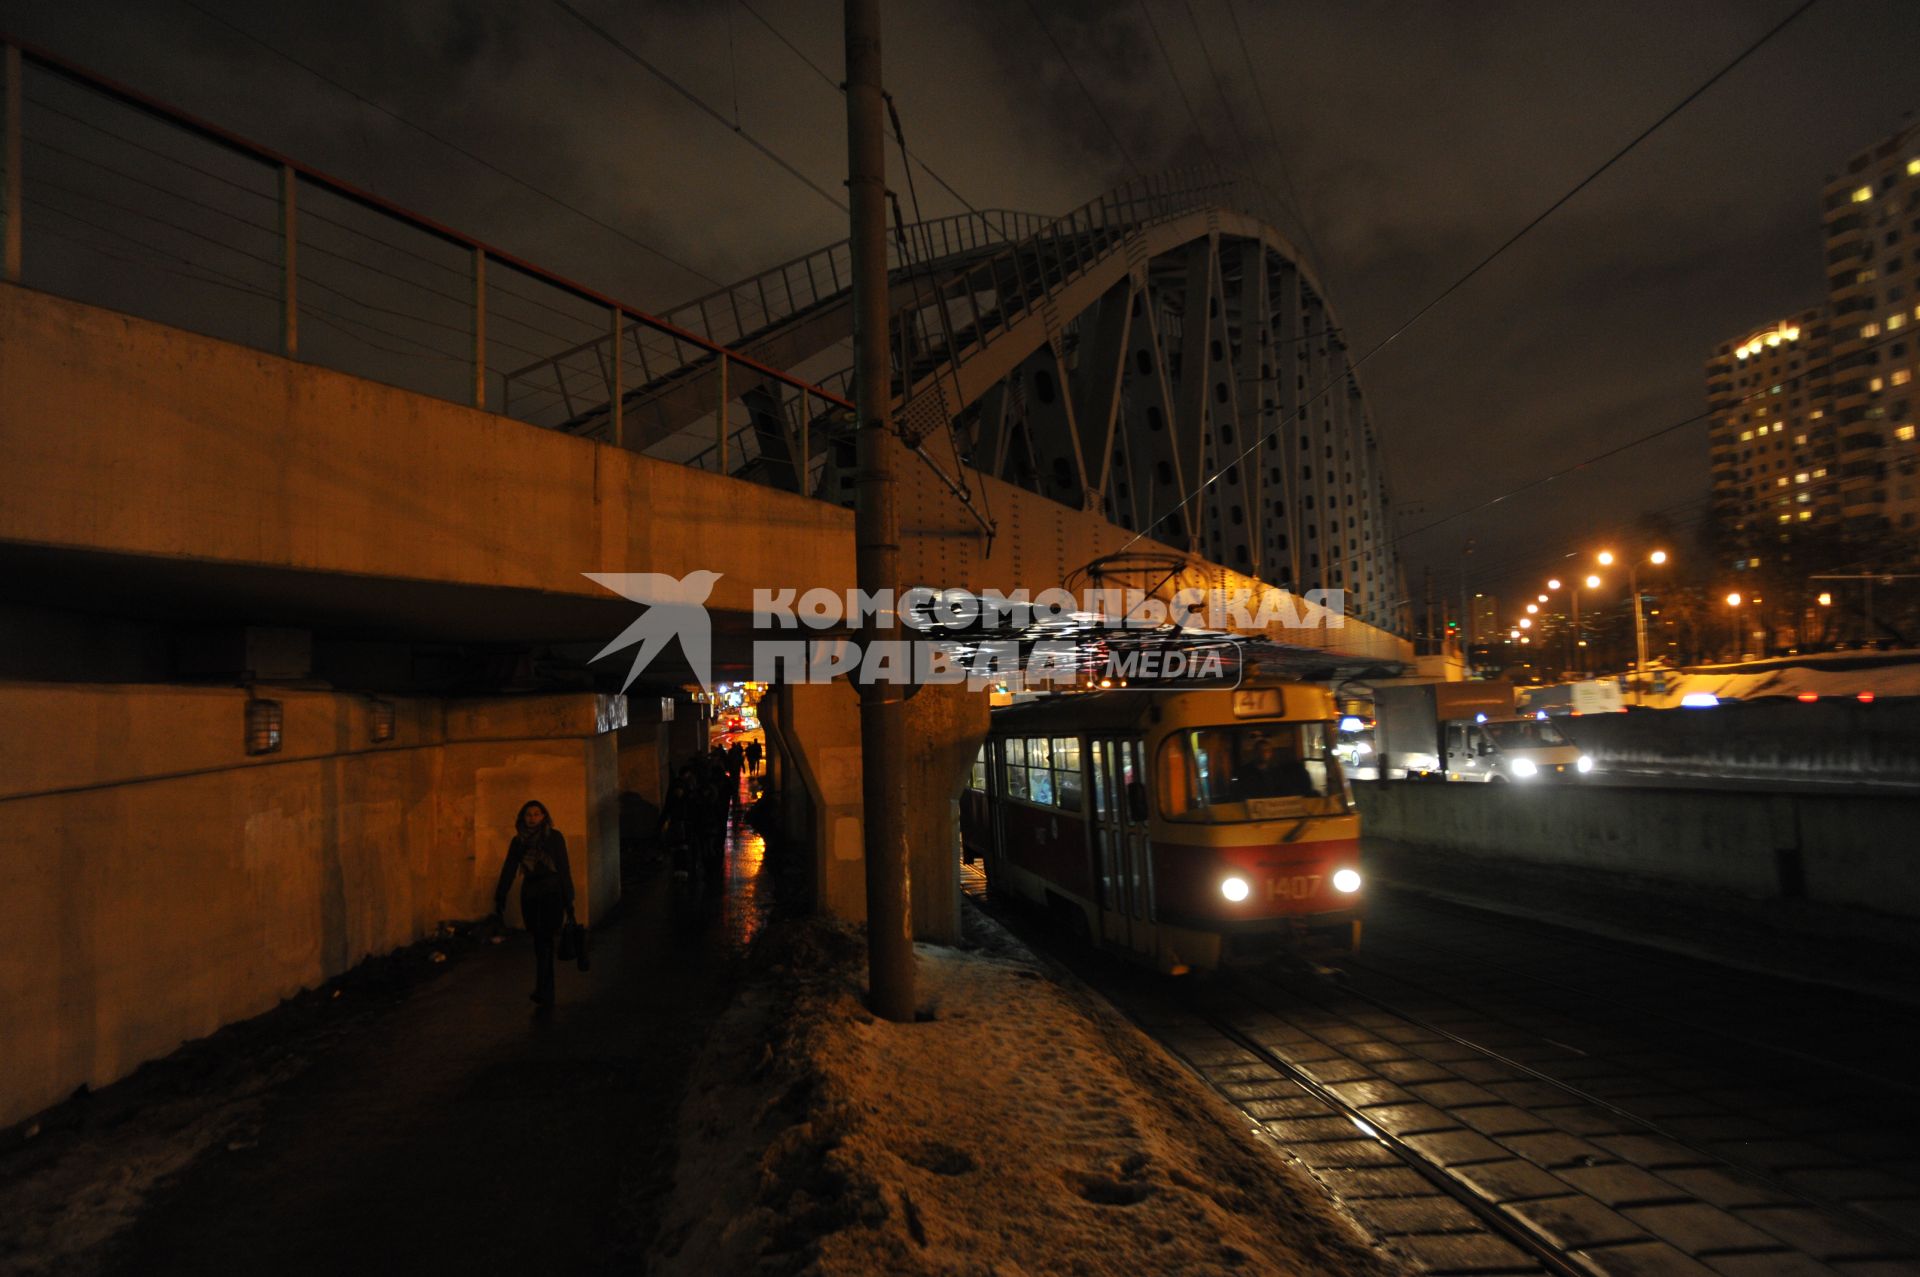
x=1494, y=1095
x=466, y=1130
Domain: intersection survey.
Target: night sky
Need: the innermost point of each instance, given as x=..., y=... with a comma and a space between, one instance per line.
x=1417, y=136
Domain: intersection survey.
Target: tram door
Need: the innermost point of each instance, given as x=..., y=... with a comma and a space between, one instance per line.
x=1120, y=841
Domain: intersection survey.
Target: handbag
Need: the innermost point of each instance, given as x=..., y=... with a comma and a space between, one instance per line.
x=574, y=946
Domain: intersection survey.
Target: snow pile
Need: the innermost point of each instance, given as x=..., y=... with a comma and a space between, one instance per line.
x=1023, y=1128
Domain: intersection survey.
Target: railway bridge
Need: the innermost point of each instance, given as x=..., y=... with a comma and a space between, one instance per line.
x=304, y=489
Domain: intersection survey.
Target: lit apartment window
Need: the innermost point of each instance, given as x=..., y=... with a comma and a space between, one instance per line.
x=1869, y=330
x=1816, y=414
x=1801, y=477
x=1861, y=194
x=1781, y=482
x=1745, y=435
x=1913, y=168
x=1903, y=433
x=1874, y=383
x=1820, y=473
x=1901, y=376
x=1805, y=515
x=1895, y=320
x=1799, y=441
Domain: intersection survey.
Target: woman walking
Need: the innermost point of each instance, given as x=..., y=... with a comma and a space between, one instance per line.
x=538, y=854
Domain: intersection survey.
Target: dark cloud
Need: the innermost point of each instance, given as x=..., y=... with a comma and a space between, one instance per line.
x=1416, y=135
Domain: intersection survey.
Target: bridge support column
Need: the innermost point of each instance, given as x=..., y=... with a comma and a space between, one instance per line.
x=816, y=728
x=947, y=723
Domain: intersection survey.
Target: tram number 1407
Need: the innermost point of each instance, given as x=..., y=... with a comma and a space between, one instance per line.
x=1298, y=887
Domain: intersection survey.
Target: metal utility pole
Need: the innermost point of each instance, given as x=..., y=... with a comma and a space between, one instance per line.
x=883, y=744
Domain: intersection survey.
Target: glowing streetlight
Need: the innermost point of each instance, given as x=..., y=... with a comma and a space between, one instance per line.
x=1543, y=598
x=1532, y=608
x=1826, y=600
x=1605, y=558
x=1733, y=600
x=1593, y=582
x=1554, y=584
x=1657, y=557
x=1513, y=634
x=1526, y=622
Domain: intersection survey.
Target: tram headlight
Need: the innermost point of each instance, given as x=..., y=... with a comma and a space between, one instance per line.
x=1583, y=764
x=1523, y=767
x=1346, y=880
x=1234, y=889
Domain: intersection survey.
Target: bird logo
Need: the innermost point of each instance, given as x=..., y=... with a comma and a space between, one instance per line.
x=676, y=607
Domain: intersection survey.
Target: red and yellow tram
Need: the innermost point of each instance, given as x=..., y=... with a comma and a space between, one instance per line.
x=1186, y=829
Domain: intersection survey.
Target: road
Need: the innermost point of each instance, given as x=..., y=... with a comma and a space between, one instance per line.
x=1491, y=1094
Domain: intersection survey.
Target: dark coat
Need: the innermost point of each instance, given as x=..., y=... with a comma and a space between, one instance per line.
x=548, y=876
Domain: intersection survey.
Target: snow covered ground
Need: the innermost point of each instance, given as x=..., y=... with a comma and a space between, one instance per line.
x=1021, y=1127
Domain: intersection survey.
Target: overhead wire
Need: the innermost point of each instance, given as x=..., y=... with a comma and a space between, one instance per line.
x=1649, y=437
x=1273, y=135
x=450, y=144
x=1099, y=112
x=1199, y=130
x=701, y=103
x=1354, y=366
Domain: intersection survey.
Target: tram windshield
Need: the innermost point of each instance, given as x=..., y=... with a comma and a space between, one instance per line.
x=1250, y=771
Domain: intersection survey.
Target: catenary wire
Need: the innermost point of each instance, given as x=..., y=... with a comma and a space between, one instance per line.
x=449, y=143
x=1354, y=366
x=634, y=55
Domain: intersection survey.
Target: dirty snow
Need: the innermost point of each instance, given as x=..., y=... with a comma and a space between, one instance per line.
x=1024, y=1128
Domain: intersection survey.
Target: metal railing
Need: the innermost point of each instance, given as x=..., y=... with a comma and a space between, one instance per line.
x=580, y=374
x=116, y=198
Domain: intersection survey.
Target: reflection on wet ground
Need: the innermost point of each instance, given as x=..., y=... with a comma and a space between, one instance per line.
x=463, y=1130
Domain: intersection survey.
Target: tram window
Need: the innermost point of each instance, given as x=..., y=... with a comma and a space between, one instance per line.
x=1013, y=755
x=977, y=775
x=1217, y=773
x=1066, y=772
x=1039, y=771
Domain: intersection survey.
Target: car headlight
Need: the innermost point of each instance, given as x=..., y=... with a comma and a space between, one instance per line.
x=1234, y=889
x=1524, y=767
x=1346, y=880
x=1584, y=764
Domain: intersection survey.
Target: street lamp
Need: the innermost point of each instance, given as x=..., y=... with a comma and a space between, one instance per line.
x=1532, y=609
x=1733, y=601
x=1658, y=558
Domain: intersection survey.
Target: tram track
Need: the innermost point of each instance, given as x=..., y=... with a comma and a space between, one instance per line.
x=1550, y=1258
x=1903, y=1238
x=1439, y=1120
x=1744, y=1043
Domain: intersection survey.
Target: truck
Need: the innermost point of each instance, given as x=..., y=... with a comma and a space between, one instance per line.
x=1467, y=732
x=1587, y=696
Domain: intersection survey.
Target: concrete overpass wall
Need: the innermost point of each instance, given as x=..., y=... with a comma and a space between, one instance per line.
x=163, y=883
x=122, y=436
x=1850, y=852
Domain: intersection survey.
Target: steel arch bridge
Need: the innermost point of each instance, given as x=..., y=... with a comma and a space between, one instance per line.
x=1158, y=359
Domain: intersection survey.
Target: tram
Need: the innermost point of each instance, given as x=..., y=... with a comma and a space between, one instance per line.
x=1184, y=829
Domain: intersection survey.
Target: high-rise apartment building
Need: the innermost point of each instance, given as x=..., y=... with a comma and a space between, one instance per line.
x=1483, y=623
x=1872, y=222
x=1772, y=427
x=1811, y=417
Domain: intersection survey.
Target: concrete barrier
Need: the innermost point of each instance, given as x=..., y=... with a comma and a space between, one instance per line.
x=1829, y=740
x=162, y=882
x=1855, y=852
